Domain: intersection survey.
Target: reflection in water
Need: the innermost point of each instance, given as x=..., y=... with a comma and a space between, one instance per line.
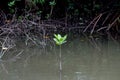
x=82, y=59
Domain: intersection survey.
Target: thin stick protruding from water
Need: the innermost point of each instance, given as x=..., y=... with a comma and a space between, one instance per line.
x=60, y=63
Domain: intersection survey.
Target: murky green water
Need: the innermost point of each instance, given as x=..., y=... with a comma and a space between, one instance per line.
x=82, y=59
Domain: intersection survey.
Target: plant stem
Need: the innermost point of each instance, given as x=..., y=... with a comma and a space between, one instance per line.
x=60, y=63
x=51, y=11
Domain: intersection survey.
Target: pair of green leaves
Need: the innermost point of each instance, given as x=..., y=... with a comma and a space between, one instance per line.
x=12, y=3
x=52, y=3
x=59, y=39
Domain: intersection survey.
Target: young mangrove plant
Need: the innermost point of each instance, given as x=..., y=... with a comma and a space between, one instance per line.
x=10, y=5
x=52, y=4
x=59, y=40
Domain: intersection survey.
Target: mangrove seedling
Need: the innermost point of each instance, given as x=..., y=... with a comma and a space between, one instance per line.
x=59, y=40
x=52, y=4
x=11, y=4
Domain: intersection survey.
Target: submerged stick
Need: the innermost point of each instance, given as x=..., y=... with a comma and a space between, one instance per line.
x=60, y=63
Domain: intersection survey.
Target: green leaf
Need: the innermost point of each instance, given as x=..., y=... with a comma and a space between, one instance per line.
x=64, y=42
x=55, y=35
x=59, y=36
x=12, y=3
x=65, y=37
x=55, y=40
x=61, y=39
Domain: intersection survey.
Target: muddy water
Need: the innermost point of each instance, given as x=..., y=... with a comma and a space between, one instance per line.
x=82, y=59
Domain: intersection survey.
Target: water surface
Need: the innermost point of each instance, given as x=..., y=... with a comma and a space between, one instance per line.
x=82, y=59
